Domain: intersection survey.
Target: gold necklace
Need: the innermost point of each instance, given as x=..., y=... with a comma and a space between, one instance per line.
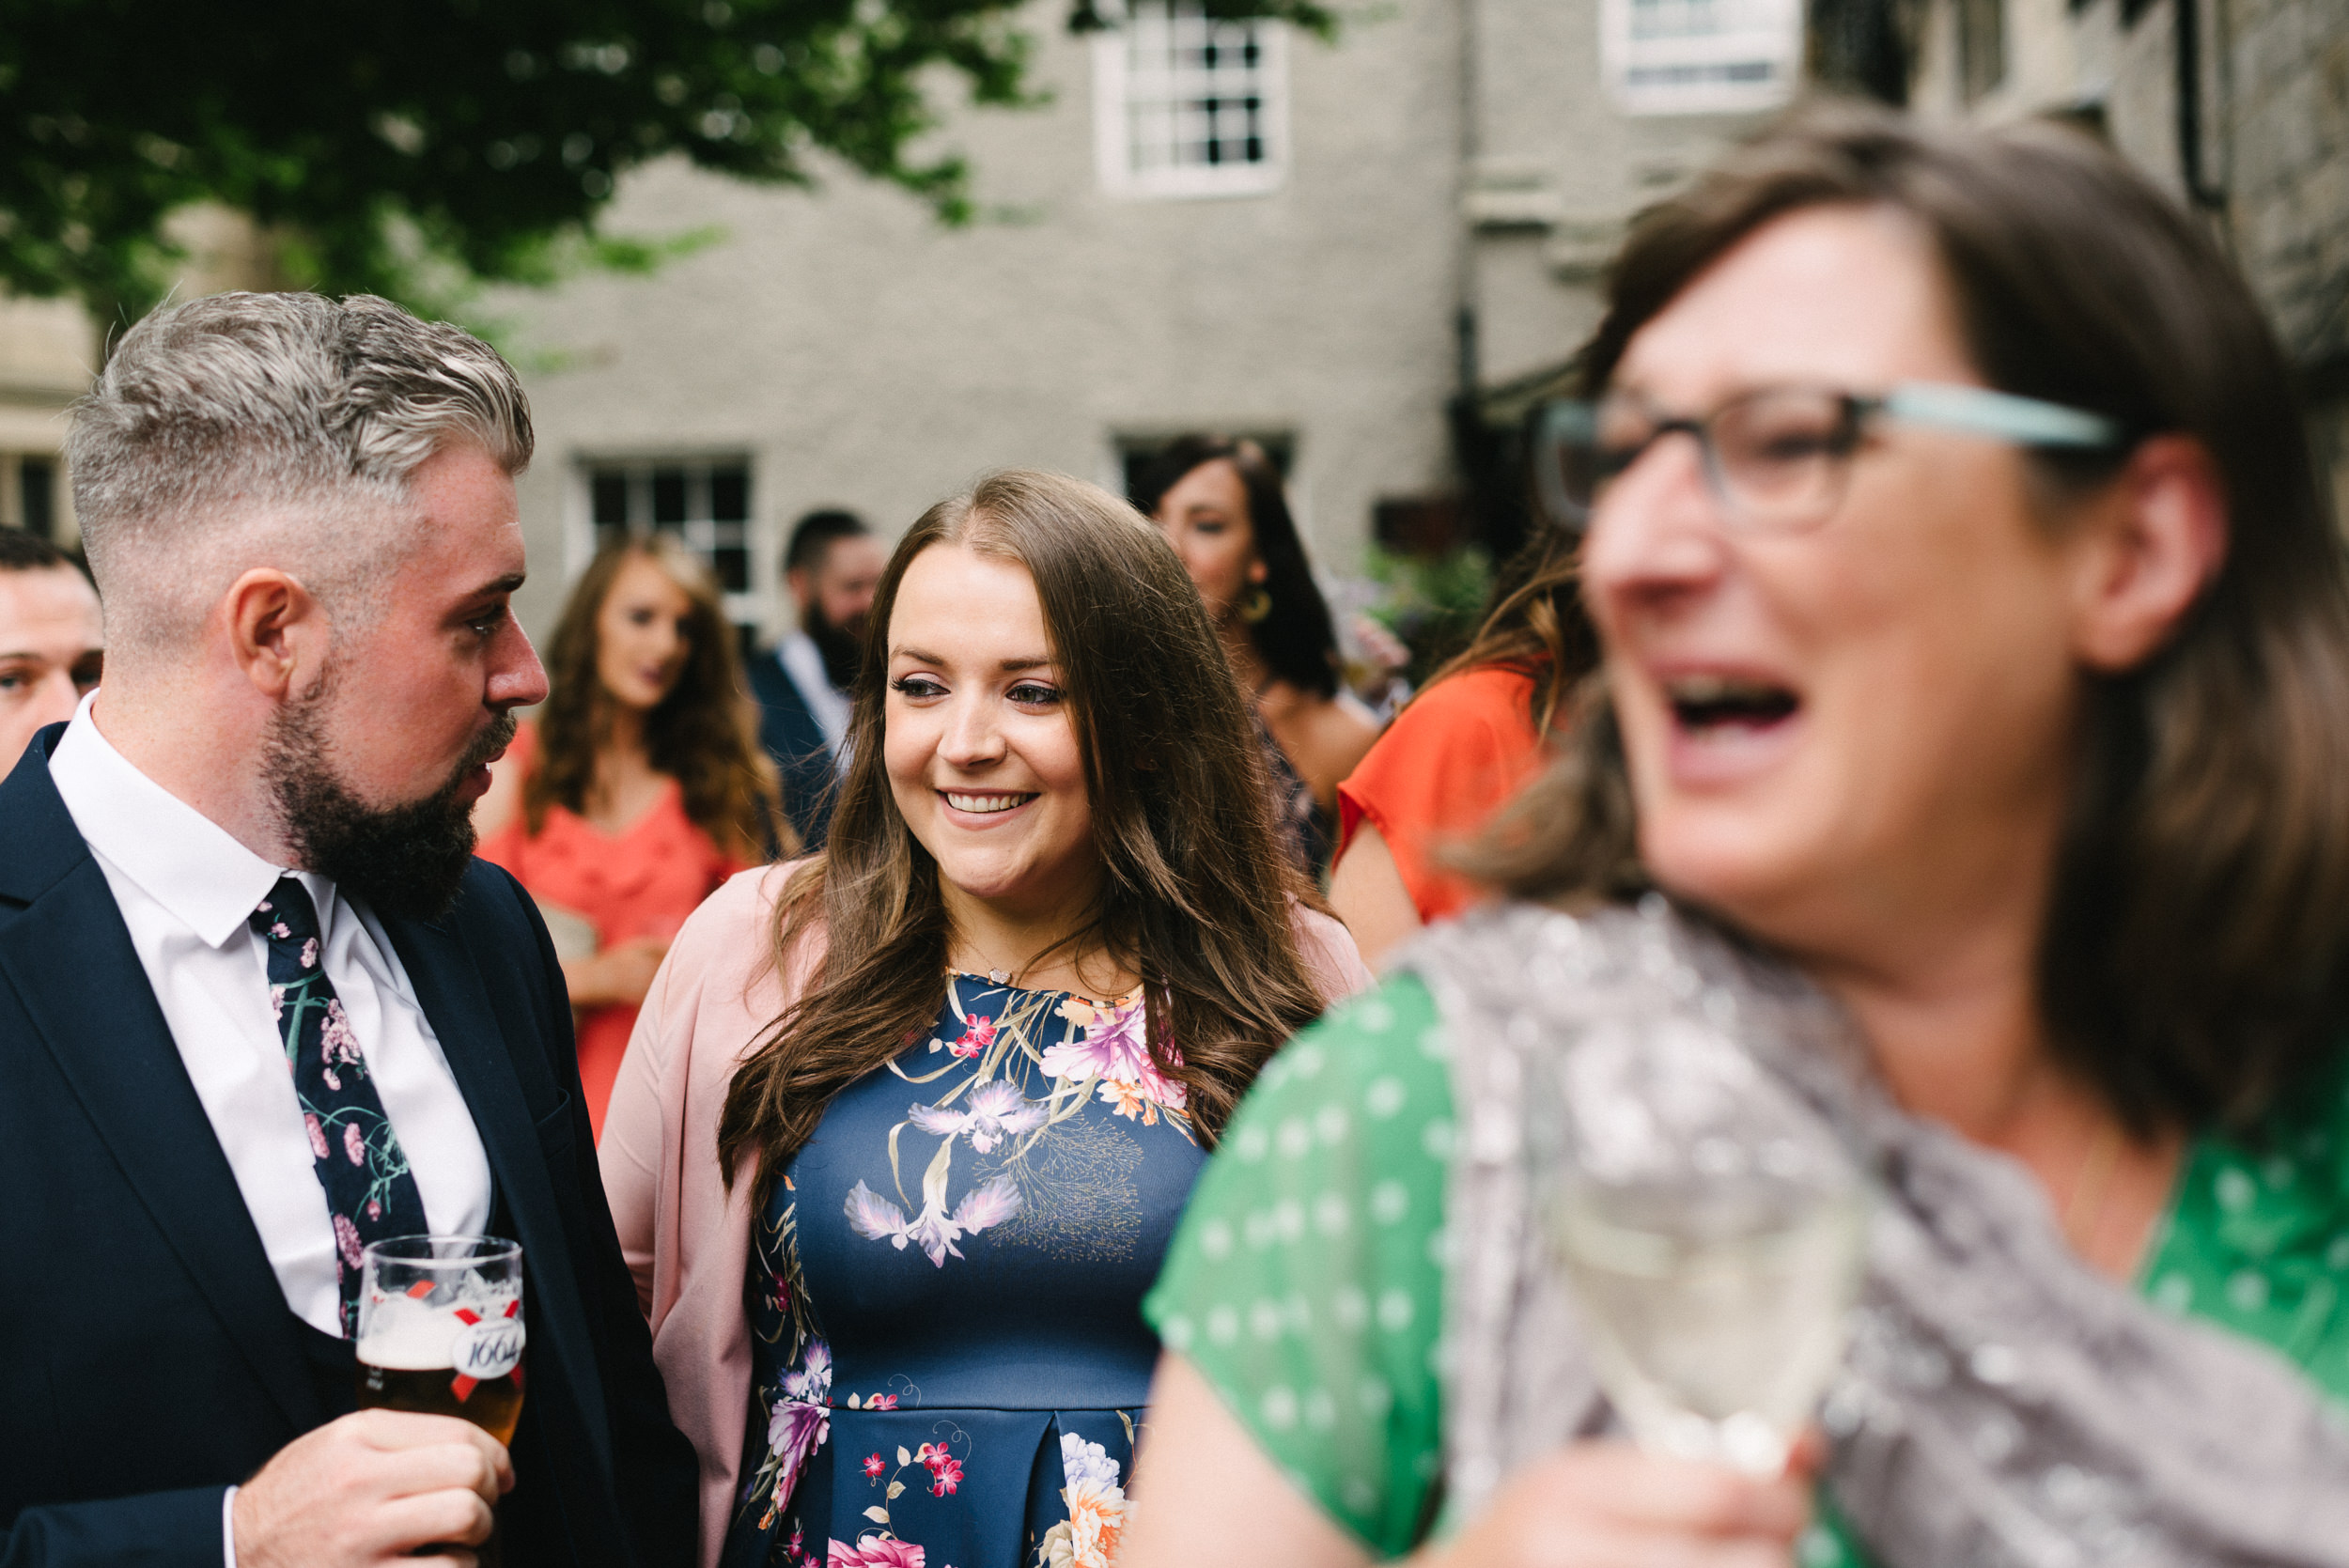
x=995, y=976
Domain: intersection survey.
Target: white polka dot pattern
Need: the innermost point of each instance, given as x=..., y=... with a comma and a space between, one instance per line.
x=1306, y=1282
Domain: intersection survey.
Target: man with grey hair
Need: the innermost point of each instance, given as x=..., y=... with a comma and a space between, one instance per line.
x=259, y=1005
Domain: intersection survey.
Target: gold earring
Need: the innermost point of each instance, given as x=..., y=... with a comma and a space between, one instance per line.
x=1257, y=606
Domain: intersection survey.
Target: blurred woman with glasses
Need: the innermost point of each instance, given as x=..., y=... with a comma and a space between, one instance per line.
x=1221, y=507
x=1975, y=697
x=637, y=789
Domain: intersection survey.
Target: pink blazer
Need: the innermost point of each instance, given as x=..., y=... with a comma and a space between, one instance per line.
x=687, y=1238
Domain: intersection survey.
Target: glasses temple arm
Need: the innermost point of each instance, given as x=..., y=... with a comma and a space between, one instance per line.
x=1979, y=410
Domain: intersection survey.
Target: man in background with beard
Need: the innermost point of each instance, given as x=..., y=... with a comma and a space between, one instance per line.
x=300, y=515
x=833, y=567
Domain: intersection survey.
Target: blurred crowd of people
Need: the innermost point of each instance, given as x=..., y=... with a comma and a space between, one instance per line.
x=1031, y=1071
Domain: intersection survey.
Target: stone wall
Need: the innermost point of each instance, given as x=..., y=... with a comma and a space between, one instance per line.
x=46, y=350
x=860, y=353
x=1447, y=156
x=2285, y=166
x=2274, y=100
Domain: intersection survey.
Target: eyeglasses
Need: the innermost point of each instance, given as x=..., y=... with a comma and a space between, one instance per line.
x=1778, y=458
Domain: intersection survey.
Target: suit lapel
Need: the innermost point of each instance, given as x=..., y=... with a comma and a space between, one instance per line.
x=457, y=1001
x=68, y=959
x=456, y=1004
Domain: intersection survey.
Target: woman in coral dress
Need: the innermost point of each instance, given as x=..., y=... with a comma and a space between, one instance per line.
x=639, y=789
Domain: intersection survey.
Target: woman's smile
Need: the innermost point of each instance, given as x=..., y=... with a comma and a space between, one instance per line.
x=993, y=806
x=985, y=766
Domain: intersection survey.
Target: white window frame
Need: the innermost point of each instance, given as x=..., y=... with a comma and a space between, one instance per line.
x=1757, y=32
x=700, y=531
x=1114, y=89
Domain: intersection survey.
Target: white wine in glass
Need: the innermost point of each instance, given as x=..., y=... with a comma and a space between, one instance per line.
x=1711, y=1230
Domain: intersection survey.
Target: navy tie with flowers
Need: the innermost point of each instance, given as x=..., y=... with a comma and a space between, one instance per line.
x=370, y=1190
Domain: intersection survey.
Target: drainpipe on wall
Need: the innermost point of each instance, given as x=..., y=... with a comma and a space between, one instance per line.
x=1460, y=408
x=1463, y=286
x=2185, y=23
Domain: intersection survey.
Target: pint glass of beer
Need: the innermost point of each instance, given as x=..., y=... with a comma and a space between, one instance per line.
x=441, y=1328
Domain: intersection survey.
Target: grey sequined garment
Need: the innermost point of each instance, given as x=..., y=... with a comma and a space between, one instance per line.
x=2001, y=1404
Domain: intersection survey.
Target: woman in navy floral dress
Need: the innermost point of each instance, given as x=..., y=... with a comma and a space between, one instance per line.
x=964, y=1317
x=961, y=1072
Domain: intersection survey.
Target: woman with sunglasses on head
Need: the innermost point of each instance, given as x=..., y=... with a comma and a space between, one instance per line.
x=905, y=1126
x=1973, y=732
x=1222, y=508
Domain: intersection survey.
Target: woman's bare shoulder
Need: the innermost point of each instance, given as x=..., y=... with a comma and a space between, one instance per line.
x=1329, y=954
x=1321, y=735
x=1342, y=731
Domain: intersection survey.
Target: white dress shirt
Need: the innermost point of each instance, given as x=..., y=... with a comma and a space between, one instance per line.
x=830, y=708
x=185, y=888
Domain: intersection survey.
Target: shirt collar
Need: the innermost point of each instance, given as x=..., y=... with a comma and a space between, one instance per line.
x=178, y=856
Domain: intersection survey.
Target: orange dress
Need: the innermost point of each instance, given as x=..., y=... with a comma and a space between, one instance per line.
x=641, y=881
x=1446, y=763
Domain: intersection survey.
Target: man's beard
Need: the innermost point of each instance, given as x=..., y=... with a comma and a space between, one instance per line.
x=404, y=862
x=840, y=642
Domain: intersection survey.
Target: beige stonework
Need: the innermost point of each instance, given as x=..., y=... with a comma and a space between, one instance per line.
x=2274, y=104
x=1446, y=157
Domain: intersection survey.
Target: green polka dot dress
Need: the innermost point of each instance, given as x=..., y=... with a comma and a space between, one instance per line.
x=1306, y=1283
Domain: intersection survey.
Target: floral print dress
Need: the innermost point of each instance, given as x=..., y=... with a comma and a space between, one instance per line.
x=949, y=1362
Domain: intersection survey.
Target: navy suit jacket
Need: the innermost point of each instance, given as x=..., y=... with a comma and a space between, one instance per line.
x=787, y=728
x=147, y=1357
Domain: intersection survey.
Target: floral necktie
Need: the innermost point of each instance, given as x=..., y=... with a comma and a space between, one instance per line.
x=359, y=1161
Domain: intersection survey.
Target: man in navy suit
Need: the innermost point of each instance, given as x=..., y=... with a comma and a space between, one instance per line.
x=260, y=1006
x=832, y=568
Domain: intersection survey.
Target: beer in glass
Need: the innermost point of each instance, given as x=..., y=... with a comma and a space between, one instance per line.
x=441, y=1330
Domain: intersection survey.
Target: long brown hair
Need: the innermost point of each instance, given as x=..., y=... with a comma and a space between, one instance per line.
x=1537, y=626
x=702, y=733
x=1195, y=898
x=2196, y=957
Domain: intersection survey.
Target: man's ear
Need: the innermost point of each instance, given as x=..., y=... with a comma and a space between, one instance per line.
x=795, y=582
x=277, y=631
x=2147, y=545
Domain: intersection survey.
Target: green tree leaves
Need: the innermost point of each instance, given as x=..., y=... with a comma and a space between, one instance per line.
x=411, y=148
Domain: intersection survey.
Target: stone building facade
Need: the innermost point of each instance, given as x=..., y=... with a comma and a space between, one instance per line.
x=1433, y=194
x=45, y=356
x=2239, y=107
x=1336, y=246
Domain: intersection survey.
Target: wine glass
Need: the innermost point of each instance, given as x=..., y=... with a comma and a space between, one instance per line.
x=1710, y=1228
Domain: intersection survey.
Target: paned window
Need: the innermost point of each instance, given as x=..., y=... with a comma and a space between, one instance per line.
x=37, y=496
x=1699, y=56
x=1186, y=105
x=1980, y=46
x=706, y=505
x=29, y=492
